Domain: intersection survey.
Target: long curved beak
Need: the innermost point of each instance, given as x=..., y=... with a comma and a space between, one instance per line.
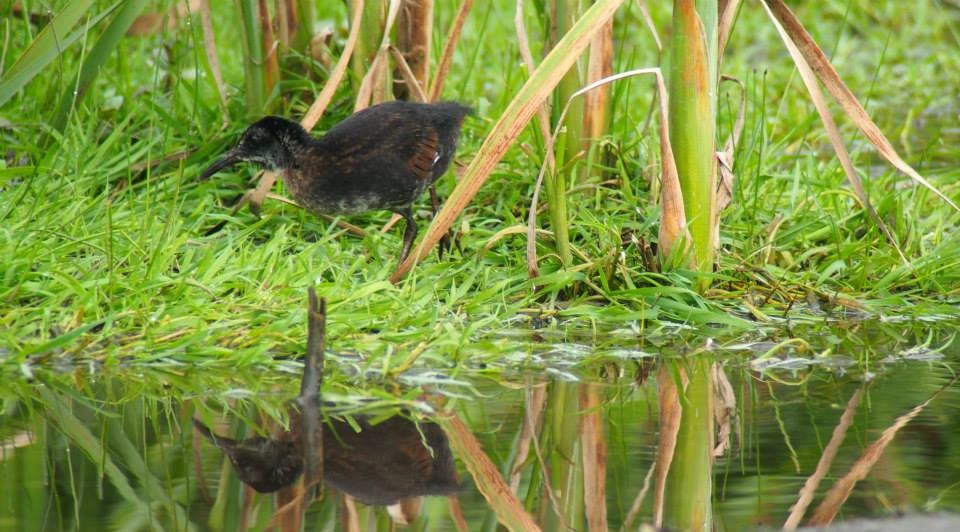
x=229, y=159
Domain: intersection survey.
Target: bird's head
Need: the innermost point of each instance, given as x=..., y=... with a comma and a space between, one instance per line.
x=271, y=143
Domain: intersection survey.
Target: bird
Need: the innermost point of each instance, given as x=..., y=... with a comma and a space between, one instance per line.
x=380, y=158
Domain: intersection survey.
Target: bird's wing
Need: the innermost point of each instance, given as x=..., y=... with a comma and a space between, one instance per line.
x=426, y=153
x=385, y=140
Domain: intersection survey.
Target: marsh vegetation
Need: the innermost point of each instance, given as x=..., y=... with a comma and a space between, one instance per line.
x=608, y=269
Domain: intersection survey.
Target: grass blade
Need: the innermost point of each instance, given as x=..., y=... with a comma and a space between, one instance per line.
x=95, y=60
x=692, y=81
x=49, y=44
x=79, y=434
x=669, y=166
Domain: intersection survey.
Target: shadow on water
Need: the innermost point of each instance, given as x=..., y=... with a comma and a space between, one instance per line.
x=857, y=421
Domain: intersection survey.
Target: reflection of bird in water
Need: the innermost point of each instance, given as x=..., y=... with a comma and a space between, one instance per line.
x=379, y=465
x=265, y=465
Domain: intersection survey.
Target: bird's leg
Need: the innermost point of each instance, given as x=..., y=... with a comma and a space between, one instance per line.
x=409, y=233
x=444, y=243
x=448, y=240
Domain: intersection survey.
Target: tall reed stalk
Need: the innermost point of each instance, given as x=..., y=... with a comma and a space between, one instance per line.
x=256, y=75
x=414, y=31
x=561, y=16
x=586, y=120
x=304, y=14
x=692, y=83
x=371, y=33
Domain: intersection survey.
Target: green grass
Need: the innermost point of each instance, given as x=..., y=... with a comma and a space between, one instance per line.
x=105, y=260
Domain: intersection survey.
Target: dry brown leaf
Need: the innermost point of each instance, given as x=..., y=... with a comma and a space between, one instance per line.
x=638, y=500
x=373, y=87
x=523, y=43
x=372, y=83
x=350, y=516
x=818, y=61
x=408, y=76
x=151, y=23
x=290, y=508
x=319, y=105
x=724, y=406
x=725, y=162
x=648, y=21
x=450, y=44
x=727, y=15
x=833, y=133
x=456, y=513
x=596, y=104
x=673, y=220
x=320, y=47
x=210, y=50
x=726, y=157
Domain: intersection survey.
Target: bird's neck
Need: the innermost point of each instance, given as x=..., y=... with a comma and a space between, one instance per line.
x=291, y=147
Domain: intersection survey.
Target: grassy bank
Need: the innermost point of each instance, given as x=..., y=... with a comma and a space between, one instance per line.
x=106, y=256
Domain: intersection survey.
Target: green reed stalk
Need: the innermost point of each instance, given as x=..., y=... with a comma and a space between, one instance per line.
x=692, y=85
x=306, y=13
x=371, y=33
x=254, y=63
x=561, y=16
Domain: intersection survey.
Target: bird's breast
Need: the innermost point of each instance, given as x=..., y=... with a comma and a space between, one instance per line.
x=345, y=192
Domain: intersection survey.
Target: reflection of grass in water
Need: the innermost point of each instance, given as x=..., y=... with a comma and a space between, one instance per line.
x=135, y=431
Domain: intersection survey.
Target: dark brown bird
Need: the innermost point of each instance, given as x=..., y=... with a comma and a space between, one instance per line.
x=381, y=158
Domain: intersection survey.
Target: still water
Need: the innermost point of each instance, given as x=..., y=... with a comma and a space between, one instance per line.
x=560, y=430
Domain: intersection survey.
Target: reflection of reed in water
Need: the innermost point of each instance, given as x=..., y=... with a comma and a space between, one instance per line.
x=378, y=465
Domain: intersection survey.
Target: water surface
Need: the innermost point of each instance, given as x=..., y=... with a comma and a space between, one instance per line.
x=168, y=447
